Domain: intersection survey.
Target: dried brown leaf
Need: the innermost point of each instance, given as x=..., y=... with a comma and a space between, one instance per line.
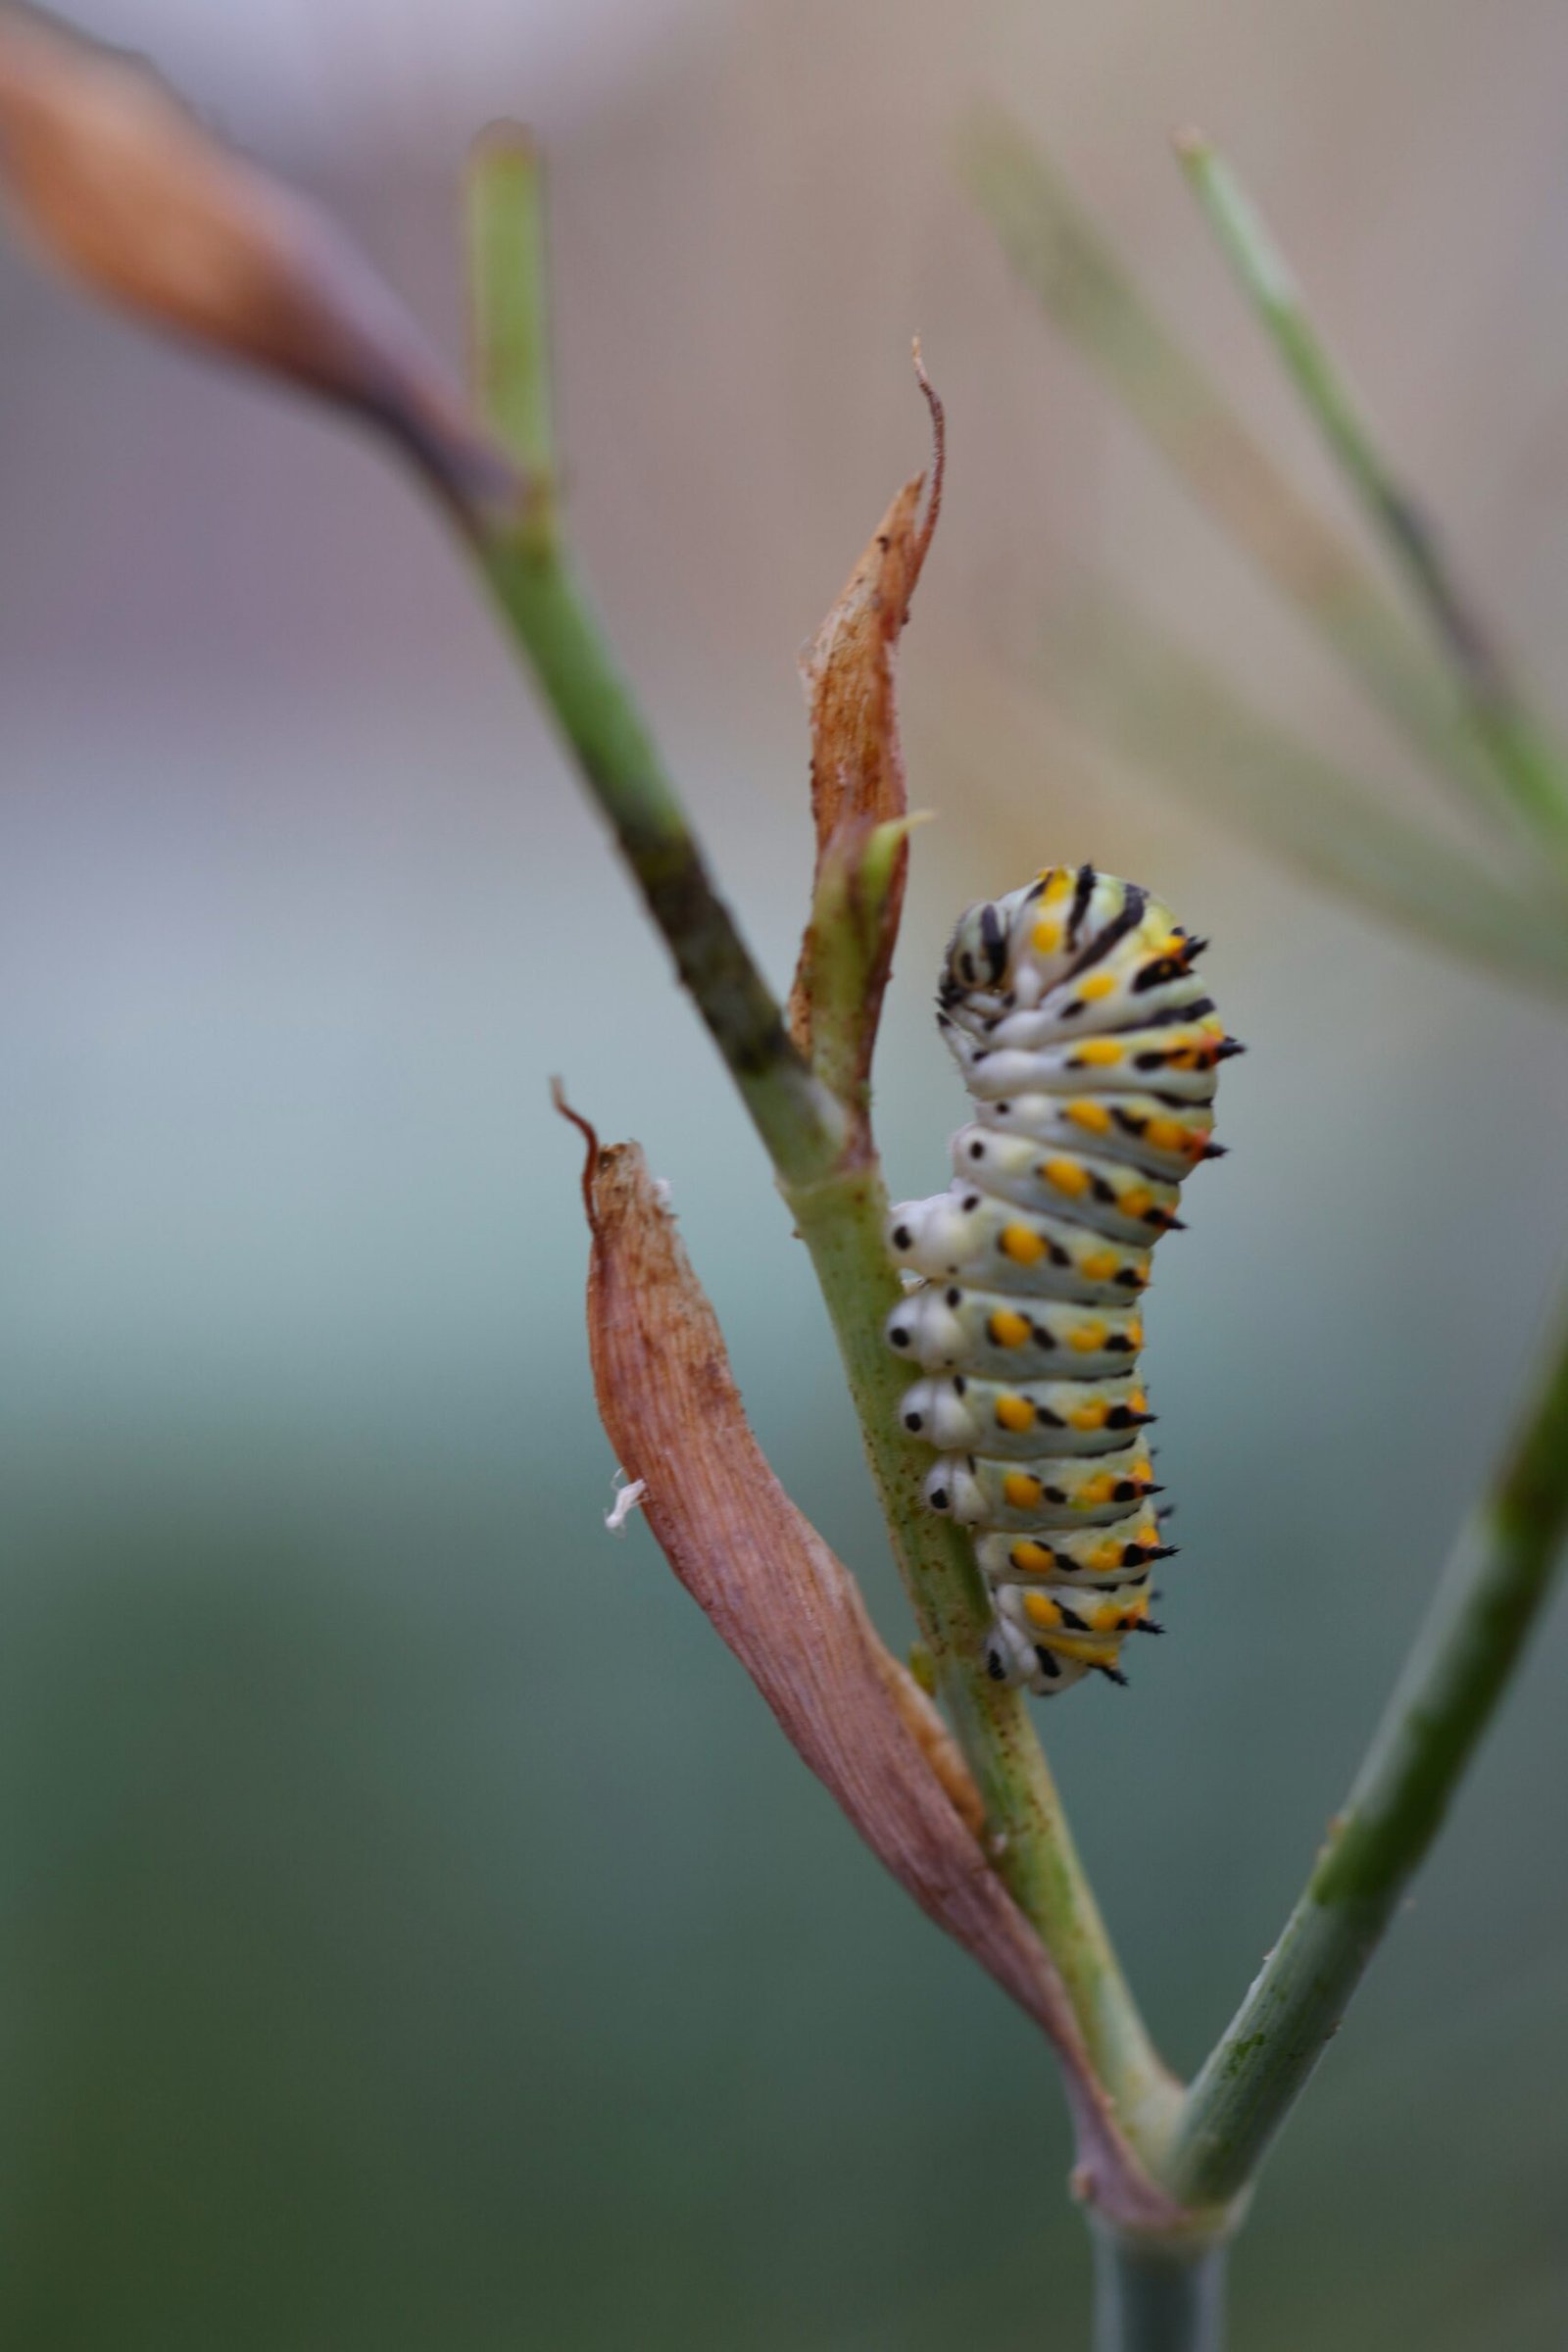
x=793, y=1617
x=858, y=776
x=119, y=185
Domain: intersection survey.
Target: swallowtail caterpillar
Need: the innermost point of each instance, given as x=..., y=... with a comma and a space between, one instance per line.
x=1090, y=1049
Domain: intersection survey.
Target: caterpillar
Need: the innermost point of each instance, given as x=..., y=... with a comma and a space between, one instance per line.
x=1089, y=1050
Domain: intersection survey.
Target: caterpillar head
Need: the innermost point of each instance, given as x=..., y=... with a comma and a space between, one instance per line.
x=977, y=955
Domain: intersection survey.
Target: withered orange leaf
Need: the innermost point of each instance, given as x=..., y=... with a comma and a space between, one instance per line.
x=119, y=185
x=857, y=778
x=793, y=1617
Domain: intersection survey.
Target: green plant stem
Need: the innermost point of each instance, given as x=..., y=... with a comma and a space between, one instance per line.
x=1457, y=1670
x=1528, y=767
x=1082, y=284
x=510, y=354
x=1153, y=703
x=838, y=1199
x=549, y=619
x=1157, y=2297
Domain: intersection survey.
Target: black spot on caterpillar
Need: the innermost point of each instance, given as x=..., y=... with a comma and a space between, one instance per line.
x=1073, y=991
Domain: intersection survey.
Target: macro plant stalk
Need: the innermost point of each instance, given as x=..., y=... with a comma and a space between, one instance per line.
x=1501, y=1577
x=835, y=1193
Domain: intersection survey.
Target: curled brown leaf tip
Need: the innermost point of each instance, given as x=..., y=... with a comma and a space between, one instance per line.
x=590, y=1136
x=119, y=185
x=795, y=1619
x=939, y=460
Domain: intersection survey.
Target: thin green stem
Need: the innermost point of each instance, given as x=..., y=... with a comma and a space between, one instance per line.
x=836, y=1195
x=1153, y=703
x=1463, y=1657
x=1157, y=2297
x=508, y=247
x=1087, y=291
x=1528, y=767
x=549, y=619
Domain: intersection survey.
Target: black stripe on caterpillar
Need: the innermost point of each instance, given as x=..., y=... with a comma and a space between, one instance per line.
x=1091, y=1051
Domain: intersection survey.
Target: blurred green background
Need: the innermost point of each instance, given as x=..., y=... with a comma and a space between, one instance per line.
x=411, y=1929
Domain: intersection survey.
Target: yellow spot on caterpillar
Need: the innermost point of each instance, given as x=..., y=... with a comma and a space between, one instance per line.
x=1136, y=1201
x=1067, y=1176
x=1041, y=1609
x=1099, y=1265
x=1098, y=985
x=1085, y=1652
x=1090, y=1416
x=1134, y=1332
x=1032, y=1559
x=1008, y=1329
x=1104, y=1556
x=1046, y=938
x=1015, y=1413
x=1093, y=1116
x=1020, y=1492
x=1058, y=884
x=1088, y=1338
x=1022, y=1245
x=1172, y=946
x=1165, y=1135
x=1101, y=1053
x=1136, y=1402
x=1096, y=1490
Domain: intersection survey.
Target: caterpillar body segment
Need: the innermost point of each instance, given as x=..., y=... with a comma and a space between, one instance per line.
x=1090, y=1049
x=944, y=1325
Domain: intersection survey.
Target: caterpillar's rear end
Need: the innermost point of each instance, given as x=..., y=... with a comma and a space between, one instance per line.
x=1090, y=1049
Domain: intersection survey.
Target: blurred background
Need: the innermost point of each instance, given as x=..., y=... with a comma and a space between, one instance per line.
x=412, y=1930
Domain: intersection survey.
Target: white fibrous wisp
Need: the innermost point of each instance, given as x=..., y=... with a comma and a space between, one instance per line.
x=627, y=1497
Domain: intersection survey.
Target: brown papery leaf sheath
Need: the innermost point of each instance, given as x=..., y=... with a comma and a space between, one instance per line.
x=793, y=1617
x=858, y=776
x=121, y=187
